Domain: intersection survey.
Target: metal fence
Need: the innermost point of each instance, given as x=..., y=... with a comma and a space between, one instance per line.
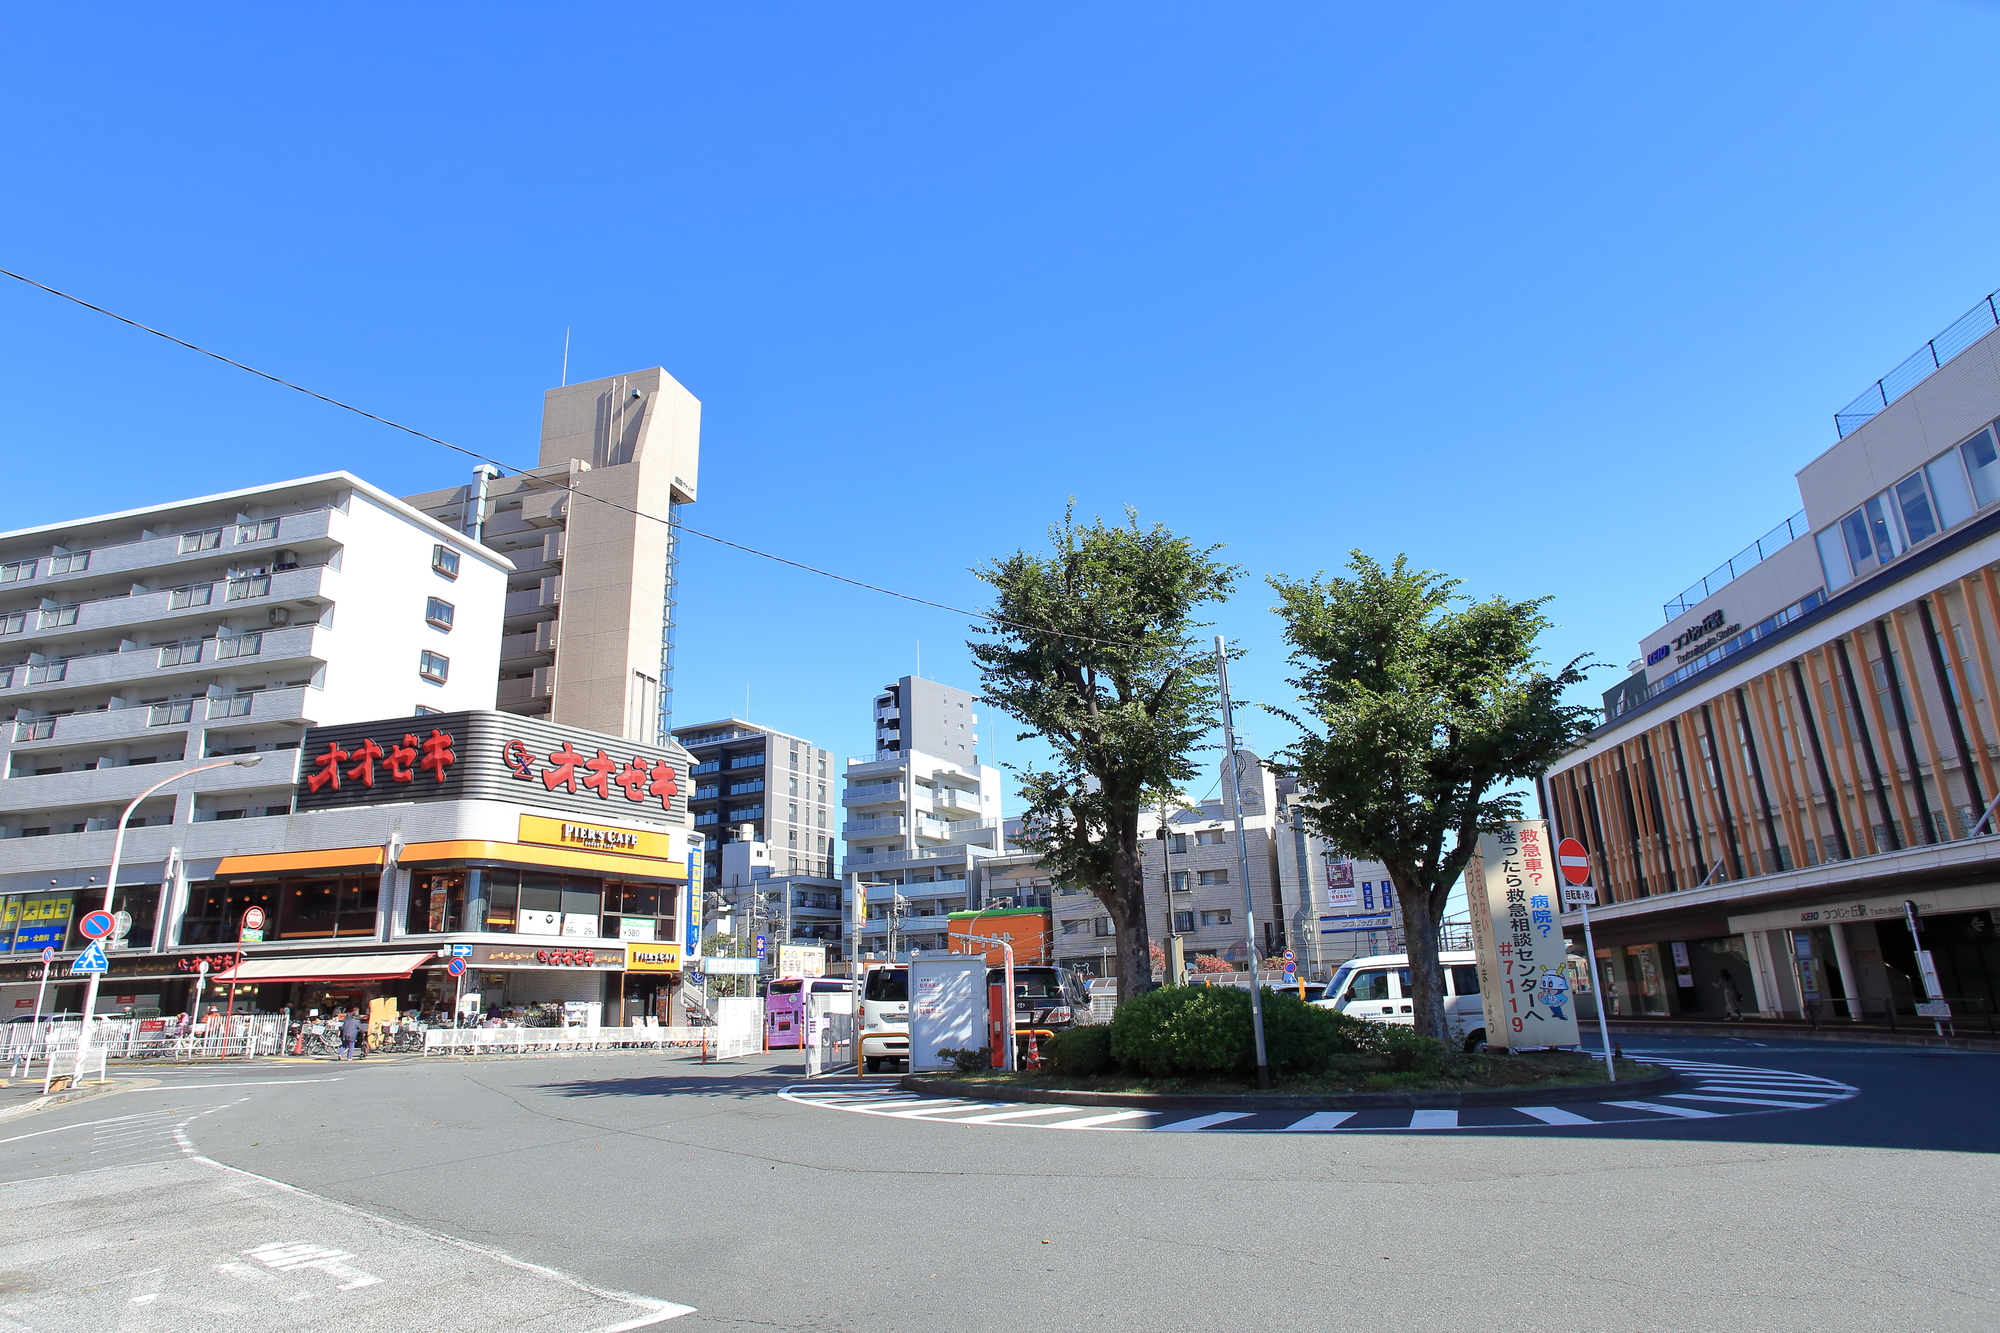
x=1919, y=366
x=1756, y=553
x=565, y=1040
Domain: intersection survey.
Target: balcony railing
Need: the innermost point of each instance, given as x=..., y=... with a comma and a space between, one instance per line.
x=1919, y=366
x=119, y=556
x=872, y=793
x=1734, y=568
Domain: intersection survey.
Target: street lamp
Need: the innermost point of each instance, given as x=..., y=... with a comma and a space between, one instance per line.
x=111, y=882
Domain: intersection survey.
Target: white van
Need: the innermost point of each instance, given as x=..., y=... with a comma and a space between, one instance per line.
x=1378, y=989
x=885, y=1016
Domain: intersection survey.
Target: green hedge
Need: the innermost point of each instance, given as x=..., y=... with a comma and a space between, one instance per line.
x=1203, y=1031
x=1080, y=1050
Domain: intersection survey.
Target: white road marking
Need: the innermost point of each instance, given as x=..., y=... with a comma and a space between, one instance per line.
x=1778, y=1088
x=1554, y=1115
x=1014, y=1115
x=1433, y=1120
x=264, y=1083
x=1746, y=1101
x=1204, y=1121
x=1093, y=1120
x=1688, y=1112
x=290, y=1258
x=1322, y=1120
x=956, y=1104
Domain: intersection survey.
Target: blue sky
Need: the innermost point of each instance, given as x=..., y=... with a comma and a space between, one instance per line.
x=1555, y=297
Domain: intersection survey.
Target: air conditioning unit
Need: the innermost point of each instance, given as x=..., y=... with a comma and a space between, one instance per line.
x=279, y=615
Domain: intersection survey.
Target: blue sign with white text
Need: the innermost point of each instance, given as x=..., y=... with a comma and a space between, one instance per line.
x=1336, y=925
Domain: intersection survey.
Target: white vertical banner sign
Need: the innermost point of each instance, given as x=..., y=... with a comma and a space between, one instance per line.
x=1511, y=888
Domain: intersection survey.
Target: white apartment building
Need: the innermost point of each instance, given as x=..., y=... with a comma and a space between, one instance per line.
x=223, y=625
x=1335, y=907
x=590, y=604
x=920, y=814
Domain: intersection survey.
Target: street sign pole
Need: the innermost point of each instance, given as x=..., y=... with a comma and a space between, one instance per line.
x=48, y=957
x=1603, y=1025
x=1573, y=861
x=1242, y=860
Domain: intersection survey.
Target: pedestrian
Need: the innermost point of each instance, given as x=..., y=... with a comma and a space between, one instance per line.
x=351, y=1028
x=186, y=1022
x=1732, y=999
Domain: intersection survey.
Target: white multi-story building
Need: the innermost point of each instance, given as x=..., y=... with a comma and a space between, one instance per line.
x=225, y=625
x=920, y=814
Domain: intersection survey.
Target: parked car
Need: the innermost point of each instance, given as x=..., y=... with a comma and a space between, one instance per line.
x=47, y=1018
x=885, y=1017
x=1377, y=988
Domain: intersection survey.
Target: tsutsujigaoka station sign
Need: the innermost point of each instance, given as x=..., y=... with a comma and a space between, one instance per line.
x=1512, y=887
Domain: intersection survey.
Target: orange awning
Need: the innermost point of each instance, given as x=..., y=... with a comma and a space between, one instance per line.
x=270, y=863
x=518, y=854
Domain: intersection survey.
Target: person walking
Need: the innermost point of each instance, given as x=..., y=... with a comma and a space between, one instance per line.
x=351, y=1028
x=1732, y=999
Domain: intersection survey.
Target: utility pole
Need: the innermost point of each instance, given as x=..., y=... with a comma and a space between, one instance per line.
x=1242, y=858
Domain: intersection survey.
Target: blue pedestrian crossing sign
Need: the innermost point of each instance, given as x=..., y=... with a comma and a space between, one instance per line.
x=760, y=946
x=92, y=960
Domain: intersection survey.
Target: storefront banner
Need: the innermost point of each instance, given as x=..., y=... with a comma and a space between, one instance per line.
x=652, y=958
x=657, y=844
x=529, y=955
x=1510, y=886
x=1340, y=885
x=801, y=960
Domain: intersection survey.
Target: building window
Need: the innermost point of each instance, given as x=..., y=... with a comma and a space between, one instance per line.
x=57, y=616
x=424, y=710
x=69, y=564
x=171, y=712
x=1180, y=881
x=1220, y=918
x=434, y=667
x=256, y=532
x=180, y=654
x=1183, y=922
x=252, y=585
x=1214, y=877
x=197, y=594
x=241, y=645
x=1211, y=837
x=1177, y=842
x=444, y=561
x=1104, y=928
x=13, y=622
x=438, y=613
x=17, y=571
x=208, y=539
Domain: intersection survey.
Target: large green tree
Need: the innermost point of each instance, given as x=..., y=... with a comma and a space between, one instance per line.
x=1418, y=708
x=1094, y=646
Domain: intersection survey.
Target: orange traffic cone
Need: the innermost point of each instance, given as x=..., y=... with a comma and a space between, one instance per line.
x=1034, y=1052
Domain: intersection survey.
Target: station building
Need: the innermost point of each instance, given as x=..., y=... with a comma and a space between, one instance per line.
x=1809, y=741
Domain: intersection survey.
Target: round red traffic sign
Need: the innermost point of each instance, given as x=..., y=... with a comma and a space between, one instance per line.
x=1575, y=861
x=456, y=967
x=96, y=925
x=48, y=955
x=253, y=918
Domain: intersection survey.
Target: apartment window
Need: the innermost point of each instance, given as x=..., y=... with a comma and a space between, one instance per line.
x=236, y=705
x=1180, y=881
x=434, y=667
x=1177, y=842
x=35, y=729
x=256, y=532
x=1104, y=928
x=1211, y=837
x=13, y=622
x=48, y=673
x=208, y=539
x=57, y=616
x=277, y=810
x=74, y=563
x=1183, y=922
x=256, y=585
x=241, y=645
x=181, y=654
x=17, y=570
x=792, y=812
x=792, y=840
x=438, y=613
x=444, y=561
x=195, y=594
x=1214, y=877
x=39, y=832
x=1218, y=918
x=1074, y=927
x=230, y=814
x=169, y=713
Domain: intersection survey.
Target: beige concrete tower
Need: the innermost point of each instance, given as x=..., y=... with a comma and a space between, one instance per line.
x=588, y=638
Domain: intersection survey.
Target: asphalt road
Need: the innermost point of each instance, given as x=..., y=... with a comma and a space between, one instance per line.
x=601, y=1192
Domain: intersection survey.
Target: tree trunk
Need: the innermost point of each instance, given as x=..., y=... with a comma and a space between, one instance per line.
x=1128, y=915
x=1420, y=936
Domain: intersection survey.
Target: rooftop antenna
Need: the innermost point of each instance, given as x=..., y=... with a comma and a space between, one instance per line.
x=565, y=378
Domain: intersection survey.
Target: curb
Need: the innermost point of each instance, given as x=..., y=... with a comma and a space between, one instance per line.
x=48, y=1100
x=1308, y=1101
x=1831, y=1036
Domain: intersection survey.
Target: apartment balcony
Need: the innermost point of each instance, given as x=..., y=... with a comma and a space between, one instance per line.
x=528, y=694
x=115, y=726
x=982, y=832
x=900, y=856
x=874, y=793
x=535, y=646
x=892, y=826
x=161, y=666
x=182, y=550
x=114, y=786
x=951, y=798
x=526, y=602
x=191, y=604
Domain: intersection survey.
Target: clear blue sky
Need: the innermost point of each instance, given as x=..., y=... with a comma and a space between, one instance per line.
x=1295, y=278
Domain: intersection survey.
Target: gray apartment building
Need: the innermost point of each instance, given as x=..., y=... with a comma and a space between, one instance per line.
x=767, y=783
x=588, y=638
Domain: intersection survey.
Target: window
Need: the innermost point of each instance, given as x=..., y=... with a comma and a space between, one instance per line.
x=13, y=622
x=58, y=616
x=256, y=532
x=229, y=814
x=1464, y=979
x=438, y=613
x=209, y=539
x=181, y=654
x=235, y=705
x=1982, y=464
x=1183, y=922
x=424, y=710
x=241, y=645
x=1209, y=837
x=1103, y=928
x=171, y=712
x=256, y=585
x=1181, y=881
x=1215, y=877
x=434, y=667
x=1177, y=842
x=1370, y=985
x=17, y=570
x=444, y=561
x=1220, y=918
x=47, y=672
x=197, y=594
x=74, y=563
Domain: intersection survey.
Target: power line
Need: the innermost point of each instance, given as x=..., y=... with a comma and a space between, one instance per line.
x=509, y=467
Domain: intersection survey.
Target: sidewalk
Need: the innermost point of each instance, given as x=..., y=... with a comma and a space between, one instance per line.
x=1831, y=1030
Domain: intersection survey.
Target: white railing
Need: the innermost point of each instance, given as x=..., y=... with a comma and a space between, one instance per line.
x=527, y=1041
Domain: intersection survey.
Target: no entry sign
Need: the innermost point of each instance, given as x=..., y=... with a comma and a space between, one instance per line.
x=1575, y=862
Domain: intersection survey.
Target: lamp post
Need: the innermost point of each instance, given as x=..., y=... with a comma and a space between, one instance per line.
x=111, y=881
x=1235, y=791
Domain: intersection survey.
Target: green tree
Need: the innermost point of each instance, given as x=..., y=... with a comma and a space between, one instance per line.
x=1095, y=648
x=1416, y=704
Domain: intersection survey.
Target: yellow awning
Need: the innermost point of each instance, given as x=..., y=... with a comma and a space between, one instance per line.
x=563, y=858
x=337, y=858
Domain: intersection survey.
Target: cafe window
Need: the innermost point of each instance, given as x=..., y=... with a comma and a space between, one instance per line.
x=505, y=901
x=298, y=909
x=31, y=922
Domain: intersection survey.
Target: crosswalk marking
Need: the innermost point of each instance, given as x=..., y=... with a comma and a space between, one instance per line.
x=1012, y=1115
x=1093, y=1120
x=1204, y=1121
x=1744, y=1101
x=1433, y=1120
x=1554, y=1115
x=1322, y=1120
x=1687, y=1112
x=1787, y=1091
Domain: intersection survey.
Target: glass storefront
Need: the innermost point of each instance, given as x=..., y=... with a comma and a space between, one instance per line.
x=342, y=907
x=31, y=922
x=509, y=901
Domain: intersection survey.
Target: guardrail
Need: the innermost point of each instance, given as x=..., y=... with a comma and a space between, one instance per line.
x=524, y=1041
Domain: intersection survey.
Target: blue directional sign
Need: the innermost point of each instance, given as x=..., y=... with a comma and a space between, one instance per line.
x=1337, y=925
x=92, y=960
x=461, y=951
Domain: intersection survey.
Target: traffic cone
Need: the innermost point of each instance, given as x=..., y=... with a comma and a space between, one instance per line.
x=1034, y=1052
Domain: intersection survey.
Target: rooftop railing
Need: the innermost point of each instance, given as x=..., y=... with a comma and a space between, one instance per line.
x=1926, y=361
x=1734, y=568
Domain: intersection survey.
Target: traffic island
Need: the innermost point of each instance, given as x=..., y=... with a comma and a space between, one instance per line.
x=1483, y=1080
